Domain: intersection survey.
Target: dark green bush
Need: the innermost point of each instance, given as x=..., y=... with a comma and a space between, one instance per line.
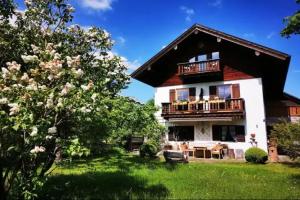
x=148, y=149
x=287, y=136
x=256, y=155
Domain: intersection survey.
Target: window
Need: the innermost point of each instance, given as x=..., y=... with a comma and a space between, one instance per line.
x=181, y=133
x=182, y=94
x=193, y=59
x=215, y=55
x=228, y=133
x=224, y=91
x=202, y=57
x=205, y=57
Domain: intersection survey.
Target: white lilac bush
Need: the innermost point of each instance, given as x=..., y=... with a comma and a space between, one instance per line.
x=55, y=79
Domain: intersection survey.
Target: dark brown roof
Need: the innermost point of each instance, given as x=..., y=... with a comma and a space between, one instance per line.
x=293, y=101
x=219, y=34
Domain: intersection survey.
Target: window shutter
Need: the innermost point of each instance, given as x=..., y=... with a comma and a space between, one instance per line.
x=212, y=91
x=172, y=95
x=235, y=91
x=192, y=94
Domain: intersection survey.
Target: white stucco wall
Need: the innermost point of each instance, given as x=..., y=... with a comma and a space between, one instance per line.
x=295, y=119
x=254, y=122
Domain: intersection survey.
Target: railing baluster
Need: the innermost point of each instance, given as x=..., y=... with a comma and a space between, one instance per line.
x=207, y=106
x=199, y=67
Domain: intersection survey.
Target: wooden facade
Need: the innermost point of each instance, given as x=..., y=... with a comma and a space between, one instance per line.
x=238, y=59
x=230, y=73
x=294, y=111
x=285, y=107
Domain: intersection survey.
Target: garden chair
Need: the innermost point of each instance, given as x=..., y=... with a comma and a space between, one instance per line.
x=217, y=150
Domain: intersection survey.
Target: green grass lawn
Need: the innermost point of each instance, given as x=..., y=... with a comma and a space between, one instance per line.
x=121, y=176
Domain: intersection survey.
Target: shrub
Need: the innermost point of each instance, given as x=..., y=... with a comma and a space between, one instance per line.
x=148, y=149
x=287, y=136
x=76, y=149
x=256, y=155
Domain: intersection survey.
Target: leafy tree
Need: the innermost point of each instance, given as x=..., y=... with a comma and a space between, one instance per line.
x=55, y=80
x=292, y=24
x=131, y=118
x=122, y=117
x=6, y=8
x=287, y=135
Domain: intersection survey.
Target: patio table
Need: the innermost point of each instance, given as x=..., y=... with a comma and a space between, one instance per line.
x=200, y=148
x=190, y=150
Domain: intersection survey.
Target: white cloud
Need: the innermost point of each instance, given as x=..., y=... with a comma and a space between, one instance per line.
x=121, y=40
x=216, y=3
x=86, y=28
x=101, y=5
x=270, y=35
x=131, y=65
x=248, y=35
x=189, y=12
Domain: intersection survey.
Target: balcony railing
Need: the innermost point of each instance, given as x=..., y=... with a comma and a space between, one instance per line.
x=199, y=67
x=205, y=106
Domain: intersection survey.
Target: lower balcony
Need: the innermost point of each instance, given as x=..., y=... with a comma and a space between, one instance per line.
x=217, y=108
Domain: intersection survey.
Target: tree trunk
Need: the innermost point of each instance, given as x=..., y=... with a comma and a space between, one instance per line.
x=3, y=193
x=51, y=158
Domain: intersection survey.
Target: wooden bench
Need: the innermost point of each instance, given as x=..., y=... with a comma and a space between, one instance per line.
x=175, y=156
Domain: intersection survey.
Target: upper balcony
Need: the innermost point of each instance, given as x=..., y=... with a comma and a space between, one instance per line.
x=232, y=108
x=199, y=68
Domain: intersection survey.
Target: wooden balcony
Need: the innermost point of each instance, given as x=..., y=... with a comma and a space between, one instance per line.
x=201, y=67
x=234, y=108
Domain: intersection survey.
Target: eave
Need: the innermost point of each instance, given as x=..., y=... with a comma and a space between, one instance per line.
x=218, y=34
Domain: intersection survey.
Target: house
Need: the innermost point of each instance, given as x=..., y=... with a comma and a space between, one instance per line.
x=213, y=87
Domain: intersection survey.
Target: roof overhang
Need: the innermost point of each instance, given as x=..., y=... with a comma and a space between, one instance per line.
x=218, y=34
x=292, y=98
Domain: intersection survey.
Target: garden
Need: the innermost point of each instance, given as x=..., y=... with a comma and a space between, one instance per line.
x=64, y=125
x=119, y=175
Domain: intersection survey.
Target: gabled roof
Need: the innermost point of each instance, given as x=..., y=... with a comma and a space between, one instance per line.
x=286, y=100
x=295, y=100
x=218, y=34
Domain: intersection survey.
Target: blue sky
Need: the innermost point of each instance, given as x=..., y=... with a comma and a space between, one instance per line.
x=142, y=27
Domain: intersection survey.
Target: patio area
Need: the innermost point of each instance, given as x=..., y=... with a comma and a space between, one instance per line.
x=217, y=151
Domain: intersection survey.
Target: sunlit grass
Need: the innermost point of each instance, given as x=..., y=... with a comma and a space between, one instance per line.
x=121, y=176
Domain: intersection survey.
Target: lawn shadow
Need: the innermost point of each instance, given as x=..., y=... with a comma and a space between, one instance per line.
x=292, y=164
x=107, y=177
x=295, y=181
x=295, y=178
x=121, y=162
x=101, y=185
